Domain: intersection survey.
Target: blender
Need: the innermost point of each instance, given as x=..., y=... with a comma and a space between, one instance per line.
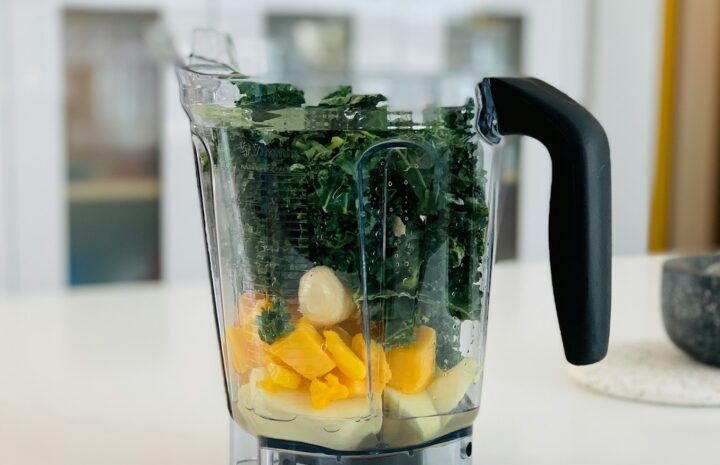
x=350, y=247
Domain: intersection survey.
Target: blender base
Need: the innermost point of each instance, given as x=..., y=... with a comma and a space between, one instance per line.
x=453, y=449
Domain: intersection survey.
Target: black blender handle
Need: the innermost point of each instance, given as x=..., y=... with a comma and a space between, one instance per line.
x=580, y=232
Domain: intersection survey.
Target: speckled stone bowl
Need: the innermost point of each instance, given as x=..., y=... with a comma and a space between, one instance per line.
x=691, y=305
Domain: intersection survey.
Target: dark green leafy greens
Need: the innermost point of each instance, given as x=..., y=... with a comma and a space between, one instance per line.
x=297, y=200
x=343, y=97
x=254, y=93
x=274, y=321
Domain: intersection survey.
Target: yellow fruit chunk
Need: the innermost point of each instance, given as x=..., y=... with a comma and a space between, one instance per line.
x=413, y=366
x=235, y=345
x=302, y=351
x=324, y=392
x=381, y=372
x=344, y=335
x=345, y=359
x=308, y=327
x=245, y=347
x=283, y=376
x=269, y=385
x=356, y=388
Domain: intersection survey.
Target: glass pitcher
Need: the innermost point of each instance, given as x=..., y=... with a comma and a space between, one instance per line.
x=350, y=246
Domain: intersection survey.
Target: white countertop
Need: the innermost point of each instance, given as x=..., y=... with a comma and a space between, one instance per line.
x=130, y=375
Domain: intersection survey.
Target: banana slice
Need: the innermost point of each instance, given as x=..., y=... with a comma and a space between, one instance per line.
x=324, y=299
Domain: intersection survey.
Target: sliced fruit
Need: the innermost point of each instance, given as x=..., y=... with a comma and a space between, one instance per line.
x=310, y=329
x=344, y=335
x=235, y=344
x=413, y=366
x=302, y=350
x=326, y=391
x=282, y=375
x=323, y=298
x=269, y=385
x=246, y=349
x=343, y=356
x=356, y=388
x=448, y=389
x=409, y=418
x=381, y=372
x=347, y=424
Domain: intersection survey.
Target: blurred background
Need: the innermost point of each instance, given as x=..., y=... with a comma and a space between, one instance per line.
x=97, y=182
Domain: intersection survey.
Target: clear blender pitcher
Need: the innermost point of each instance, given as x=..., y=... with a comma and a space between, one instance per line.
x=350, y=246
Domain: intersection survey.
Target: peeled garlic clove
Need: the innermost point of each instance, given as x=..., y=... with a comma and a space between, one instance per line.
x=324, y=299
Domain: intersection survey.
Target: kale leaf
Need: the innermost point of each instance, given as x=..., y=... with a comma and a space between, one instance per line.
x=343, y=97
x=274, y=321
x=254, y=93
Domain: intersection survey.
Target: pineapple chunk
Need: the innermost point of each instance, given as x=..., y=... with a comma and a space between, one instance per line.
x=356, y=388
x=381, y=372
x=243, y=343
x=413, y=366
x=324, y=392
x=345, y=359
x=344, y=335
x=269, y=385
x=302, y=351
x=448, y=389
x=236, y=347
x=409, y=418
x=282, y=375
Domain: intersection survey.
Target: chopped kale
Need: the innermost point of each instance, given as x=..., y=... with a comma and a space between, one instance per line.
x=254, y=93
x=274, y=321
x=343, y=97
x=297, y=195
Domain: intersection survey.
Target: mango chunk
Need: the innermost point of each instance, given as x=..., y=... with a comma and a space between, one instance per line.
x=345, y=359
x=324, y=392
x=310, y=328
x=243, y=343
x=283, y=376
x=344, y=335
x=356, y=388
x=381, y=372
x=302, y=350
x=235, y=345
x=413, y=366
x=269, y=385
